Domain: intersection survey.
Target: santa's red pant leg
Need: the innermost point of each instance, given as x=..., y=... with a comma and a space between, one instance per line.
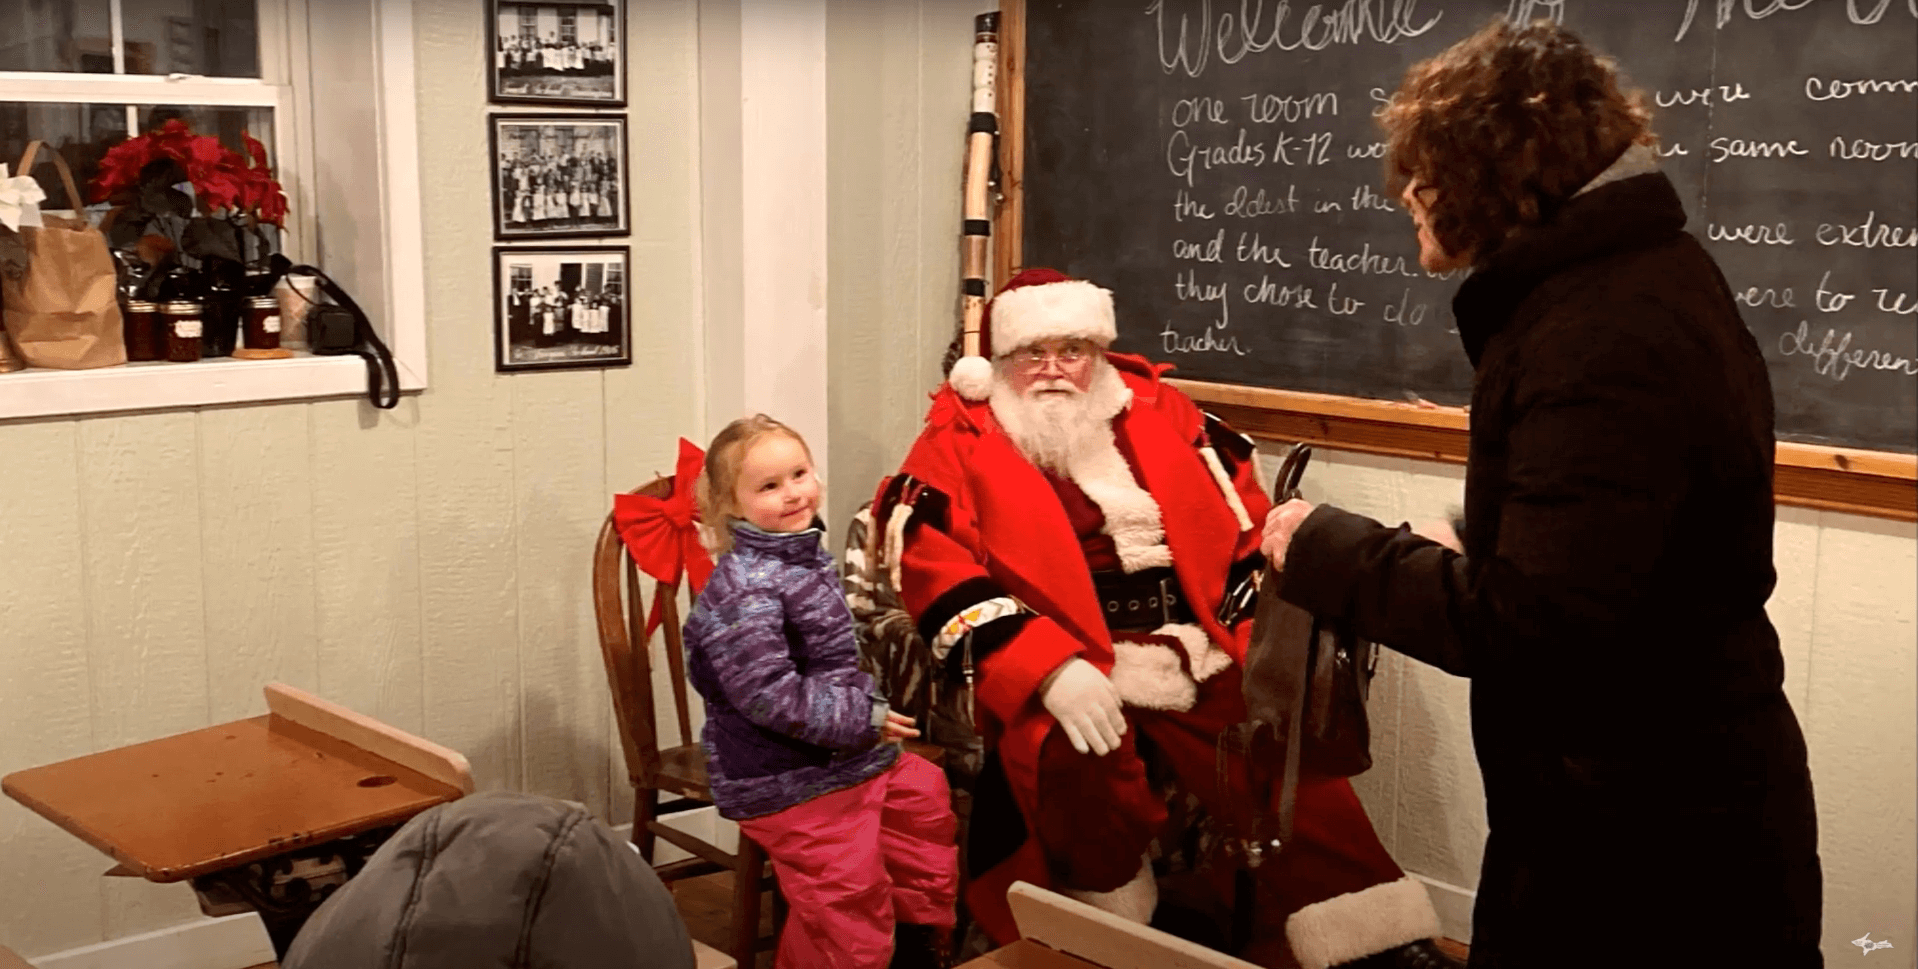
x=1098, y=814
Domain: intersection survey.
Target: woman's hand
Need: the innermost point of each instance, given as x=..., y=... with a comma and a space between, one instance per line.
x=897, y=727
x=1280, y=523
x=1440, y=532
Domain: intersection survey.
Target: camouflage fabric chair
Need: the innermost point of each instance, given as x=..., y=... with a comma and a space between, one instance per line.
x=903, y=668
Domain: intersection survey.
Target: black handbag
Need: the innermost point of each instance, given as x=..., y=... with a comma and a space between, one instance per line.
x=340, y=327
x=1304, y=671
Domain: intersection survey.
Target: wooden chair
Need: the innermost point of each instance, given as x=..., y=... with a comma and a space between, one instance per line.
x=679, y=769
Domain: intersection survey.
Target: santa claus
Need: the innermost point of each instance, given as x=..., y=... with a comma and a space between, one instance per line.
x=1079, y=540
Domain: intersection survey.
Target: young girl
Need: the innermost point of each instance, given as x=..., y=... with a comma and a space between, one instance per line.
x=799, y=746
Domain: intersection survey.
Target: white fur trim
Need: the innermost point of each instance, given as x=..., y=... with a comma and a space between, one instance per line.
x=1132, y=516
x=1135, y=900
x=1362, y=923
x=1205, y=657
x=971, y=377
x=896, y=542
x=1149, y=675
x=1052, y=311
x=1224, y=482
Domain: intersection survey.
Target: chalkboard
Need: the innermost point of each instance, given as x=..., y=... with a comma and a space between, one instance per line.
x=1218, y=166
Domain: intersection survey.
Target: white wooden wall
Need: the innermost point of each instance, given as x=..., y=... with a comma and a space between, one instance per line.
x=427, y=566
x=899, y=86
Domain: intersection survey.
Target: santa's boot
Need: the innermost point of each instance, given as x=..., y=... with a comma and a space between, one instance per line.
x=1423, y=954
x=1133, y=900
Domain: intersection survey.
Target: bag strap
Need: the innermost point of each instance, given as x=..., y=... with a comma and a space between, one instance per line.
x=382, y=377
x=66, y=174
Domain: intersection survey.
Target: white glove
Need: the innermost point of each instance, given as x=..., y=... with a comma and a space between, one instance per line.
x=1086, y=704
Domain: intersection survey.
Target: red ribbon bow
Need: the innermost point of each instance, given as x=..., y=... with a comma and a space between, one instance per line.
x=662, y=534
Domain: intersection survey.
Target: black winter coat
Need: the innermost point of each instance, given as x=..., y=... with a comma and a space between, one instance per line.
x=1645, y=778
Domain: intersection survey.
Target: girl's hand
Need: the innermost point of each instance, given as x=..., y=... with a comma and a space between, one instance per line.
x=897, y=727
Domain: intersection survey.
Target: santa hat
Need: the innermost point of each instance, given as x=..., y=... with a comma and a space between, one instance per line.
x=1038, y=304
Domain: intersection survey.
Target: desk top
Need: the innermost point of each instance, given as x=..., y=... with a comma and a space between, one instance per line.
x=201, y=802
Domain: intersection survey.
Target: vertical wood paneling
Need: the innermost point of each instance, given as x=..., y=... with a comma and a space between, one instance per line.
x=366, y=564
x=560, y=500
x=146, y=607
x=1863, y=729
x=469, y=609
x=860, y=267
x=256, y=516
x=49, y=884
x=650, y=405
x=944, y=107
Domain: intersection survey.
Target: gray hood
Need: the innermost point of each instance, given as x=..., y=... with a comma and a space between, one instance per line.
x=504, y=880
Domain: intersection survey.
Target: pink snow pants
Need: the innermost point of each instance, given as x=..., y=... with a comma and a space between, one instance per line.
x=854, y=862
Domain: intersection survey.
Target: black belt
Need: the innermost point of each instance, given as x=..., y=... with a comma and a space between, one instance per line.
x=1141, y=601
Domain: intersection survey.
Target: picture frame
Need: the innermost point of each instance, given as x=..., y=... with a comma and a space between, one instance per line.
x=557, y=307
x=559, y=176
x=556, y=53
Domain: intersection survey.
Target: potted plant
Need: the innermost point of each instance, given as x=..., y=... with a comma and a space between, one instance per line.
x=193, y=219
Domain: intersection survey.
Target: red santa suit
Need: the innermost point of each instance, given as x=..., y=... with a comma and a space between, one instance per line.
x=997, y=556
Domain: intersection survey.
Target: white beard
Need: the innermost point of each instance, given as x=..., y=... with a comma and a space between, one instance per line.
x=1050, y=429
x=1071, y=435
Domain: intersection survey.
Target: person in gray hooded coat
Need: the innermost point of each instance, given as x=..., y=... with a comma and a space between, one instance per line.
x=505, y=880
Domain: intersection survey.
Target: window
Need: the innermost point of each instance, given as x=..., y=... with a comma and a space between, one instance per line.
x=82, y=75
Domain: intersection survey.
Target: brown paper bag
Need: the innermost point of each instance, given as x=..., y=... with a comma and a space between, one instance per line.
x=64, y=311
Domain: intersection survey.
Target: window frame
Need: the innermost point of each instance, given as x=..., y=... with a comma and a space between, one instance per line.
x=320, y=125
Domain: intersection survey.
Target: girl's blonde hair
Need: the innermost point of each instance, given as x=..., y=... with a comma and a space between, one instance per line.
x=718, y=505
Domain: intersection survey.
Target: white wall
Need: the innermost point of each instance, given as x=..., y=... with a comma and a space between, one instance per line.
x=427, y=566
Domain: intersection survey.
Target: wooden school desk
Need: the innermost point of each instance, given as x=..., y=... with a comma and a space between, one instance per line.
x=263, y=814
x=1057, y=932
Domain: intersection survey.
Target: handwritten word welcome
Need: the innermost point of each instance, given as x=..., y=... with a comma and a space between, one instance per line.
x=1320, y=26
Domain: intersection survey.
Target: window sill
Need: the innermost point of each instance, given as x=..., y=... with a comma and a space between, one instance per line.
x=156, y=386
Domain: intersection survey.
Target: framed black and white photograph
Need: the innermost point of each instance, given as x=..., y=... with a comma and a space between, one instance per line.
x=558, y=53
x=556, y=308
x=558, y=176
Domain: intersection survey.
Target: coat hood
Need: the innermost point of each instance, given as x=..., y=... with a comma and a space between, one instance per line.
x=499, y=881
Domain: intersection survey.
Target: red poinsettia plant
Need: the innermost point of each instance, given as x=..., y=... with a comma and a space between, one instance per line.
x=170, y=242
x=222, y=179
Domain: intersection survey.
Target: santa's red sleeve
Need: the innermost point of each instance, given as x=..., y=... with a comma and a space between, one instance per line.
x=962, y=612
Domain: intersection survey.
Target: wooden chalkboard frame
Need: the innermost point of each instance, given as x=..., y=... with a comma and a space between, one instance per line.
x=1877, y=483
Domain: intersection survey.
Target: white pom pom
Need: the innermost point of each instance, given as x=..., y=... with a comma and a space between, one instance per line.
x=972, y=377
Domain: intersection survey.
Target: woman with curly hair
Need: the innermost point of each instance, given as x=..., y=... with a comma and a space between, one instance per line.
x=1645, y=778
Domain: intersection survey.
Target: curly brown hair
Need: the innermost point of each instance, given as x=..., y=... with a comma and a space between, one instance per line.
x=1505, y=126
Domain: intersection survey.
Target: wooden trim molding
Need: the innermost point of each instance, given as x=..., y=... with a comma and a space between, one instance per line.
x=1875, y=483
x=1009, y=217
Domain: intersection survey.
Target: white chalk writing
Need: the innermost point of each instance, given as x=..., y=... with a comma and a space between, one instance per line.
x=1822, y=89
x=1724, y=148
x=1835, y=357
x=1704, y=96
x=1865, y=235
x=1858, y=149
x=1858, y=14
x=1232, y=36
x=1756, y=235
